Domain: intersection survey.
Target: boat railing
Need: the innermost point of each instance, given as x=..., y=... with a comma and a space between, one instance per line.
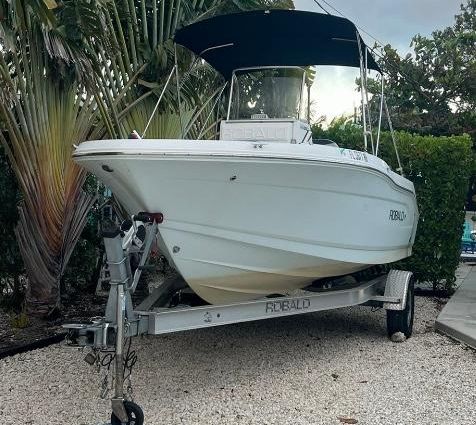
x=366, y=114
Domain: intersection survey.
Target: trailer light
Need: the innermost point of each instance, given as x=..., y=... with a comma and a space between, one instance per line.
x=147, y=217
x=158, y=217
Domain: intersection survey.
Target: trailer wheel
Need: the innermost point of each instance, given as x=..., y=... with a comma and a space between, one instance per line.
x=134, y=414
x=402, y=320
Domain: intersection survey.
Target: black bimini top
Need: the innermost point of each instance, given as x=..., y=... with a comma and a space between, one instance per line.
x=274, y=38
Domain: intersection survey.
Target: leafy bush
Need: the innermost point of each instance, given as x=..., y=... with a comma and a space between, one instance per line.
x=440, y=168
x=20, y=321
x=83, y=267
x=11, y=265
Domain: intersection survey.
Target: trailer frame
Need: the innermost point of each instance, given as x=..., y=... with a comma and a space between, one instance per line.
x=155, y=316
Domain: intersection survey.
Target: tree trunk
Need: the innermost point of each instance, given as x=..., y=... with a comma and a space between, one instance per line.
x=42, y=301
x=41, y=265
x=44, y=262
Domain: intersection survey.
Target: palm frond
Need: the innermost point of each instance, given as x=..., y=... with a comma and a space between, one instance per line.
x=44, y=118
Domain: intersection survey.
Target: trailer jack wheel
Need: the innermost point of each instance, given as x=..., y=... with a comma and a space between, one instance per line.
x=135, y=416
x=402, y=320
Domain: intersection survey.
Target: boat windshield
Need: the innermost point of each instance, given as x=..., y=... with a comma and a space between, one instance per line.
x=266, y=93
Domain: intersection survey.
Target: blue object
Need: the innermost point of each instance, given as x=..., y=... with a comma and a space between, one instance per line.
x=467, y=242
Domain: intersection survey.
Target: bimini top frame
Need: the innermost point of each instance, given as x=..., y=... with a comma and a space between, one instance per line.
x=274, y=38
x=282, y=38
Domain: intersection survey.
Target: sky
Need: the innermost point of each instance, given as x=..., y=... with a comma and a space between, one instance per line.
x=390, y=21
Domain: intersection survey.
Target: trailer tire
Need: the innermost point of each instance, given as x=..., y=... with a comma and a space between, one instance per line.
x=134, y=413
x=402, y=320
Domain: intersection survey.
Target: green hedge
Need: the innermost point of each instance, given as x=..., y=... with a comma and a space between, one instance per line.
x=440, y=168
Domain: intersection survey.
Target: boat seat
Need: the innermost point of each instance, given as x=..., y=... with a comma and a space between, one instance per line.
x=325, y=142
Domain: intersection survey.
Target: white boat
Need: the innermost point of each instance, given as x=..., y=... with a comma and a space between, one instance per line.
x=264, y=210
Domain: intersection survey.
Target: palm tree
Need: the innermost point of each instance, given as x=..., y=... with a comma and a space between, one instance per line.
x=45, y=111
x=136, y=68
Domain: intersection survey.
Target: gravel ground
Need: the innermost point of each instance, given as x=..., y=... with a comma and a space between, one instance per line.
x=309, y=369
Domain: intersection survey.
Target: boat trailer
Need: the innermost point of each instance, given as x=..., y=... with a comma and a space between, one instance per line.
x=156, y=315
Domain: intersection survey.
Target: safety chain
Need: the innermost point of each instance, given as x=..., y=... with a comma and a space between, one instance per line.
x=104, y=360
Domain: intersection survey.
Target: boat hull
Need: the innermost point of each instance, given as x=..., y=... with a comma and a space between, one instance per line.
x=241, y=224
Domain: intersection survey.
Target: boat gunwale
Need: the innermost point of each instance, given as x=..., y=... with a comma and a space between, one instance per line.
x=347, y=162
